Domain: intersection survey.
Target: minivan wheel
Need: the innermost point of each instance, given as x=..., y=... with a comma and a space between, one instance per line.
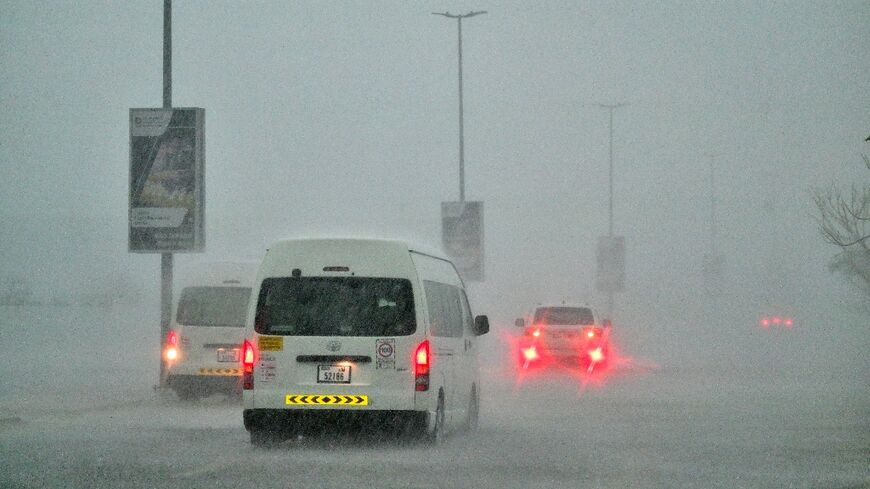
x=261, y=438
x=436, y=437
x=473, y=411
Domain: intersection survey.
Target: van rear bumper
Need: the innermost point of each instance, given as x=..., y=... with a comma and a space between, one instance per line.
x=332, y=420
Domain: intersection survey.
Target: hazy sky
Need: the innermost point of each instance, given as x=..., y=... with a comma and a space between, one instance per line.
x=342, y=118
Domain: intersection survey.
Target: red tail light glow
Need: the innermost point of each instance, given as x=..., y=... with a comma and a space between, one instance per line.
x=170, y=353
x=789, y=323
x=596, y=355
x=765, y=322
x=530, y=353
x=421, y=366
x=776, y=320
x=248, y=359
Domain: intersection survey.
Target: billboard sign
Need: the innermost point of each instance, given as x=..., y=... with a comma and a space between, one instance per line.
x=462, y=237
x=167, y=191
x=611, y=264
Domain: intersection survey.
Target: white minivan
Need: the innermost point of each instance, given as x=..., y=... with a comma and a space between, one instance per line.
x=202, y=350
x=361, y=332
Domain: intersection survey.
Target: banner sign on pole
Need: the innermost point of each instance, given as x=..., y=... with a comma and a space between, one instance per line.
x=167, y=188
x=462, y=237
x=611, y=264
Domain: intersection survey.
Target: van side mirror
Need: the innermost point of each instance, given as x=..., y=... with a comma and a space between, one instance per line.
x=606, y=323
x=520, y=323
x=481, y=325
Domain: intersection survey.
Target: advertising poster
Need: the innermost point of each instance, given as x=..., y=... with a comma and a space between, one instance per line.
x=611, y=264
x=167, y=194
x=462, y=237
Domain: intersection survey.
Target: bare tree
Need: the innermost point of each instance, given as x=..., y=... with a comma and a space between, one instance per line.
x=844, y=220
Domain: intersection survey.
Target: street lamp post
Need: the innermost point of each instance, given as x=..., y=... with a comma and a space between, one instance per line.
x=459, y=18
x=611, y=108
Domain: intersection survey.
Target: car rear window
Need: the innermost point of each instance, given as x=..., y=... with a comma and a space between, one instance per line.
x=564, y=316
x=335, y=306
x=213, y=306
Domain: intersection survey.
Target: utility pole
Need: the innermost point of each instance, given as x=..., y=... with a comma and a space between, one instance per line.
x=611, y=108
x=461, y=122
x=713, y=230
x=166, y=258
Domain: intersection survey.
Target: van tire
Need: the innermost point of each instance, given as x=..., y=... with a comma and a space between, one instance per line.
x=473, y=415
x=186, y=393
x=261, y=438
x=436, y=436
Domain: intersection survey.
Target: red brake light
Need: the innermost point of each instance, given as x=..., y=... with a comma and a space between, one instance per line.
x=530, y=353
x=788, y=322
x=421, y=366
x=248, y=358
x=170, y=353
x=765, y=322
x=776, y=320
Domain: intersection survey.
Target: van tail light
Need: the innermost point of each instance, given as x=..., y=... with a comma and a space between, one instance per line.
x=248, y=359
x=170, y=352
x=422, y=356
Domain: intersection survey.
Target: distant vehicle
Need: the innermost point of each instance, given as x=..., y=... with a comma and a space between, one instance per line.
x=563, y=334
x=202, y=349
x=776, y=321
x=372, y=332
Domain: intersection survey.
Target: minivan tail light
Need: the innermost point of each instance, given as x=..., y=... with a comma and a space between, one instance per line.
x=422, y=357
x=248, y=358
x=170, y=353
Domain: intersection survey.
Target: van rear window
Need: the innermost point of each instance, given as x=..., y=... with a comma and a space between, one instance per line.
x=213, y=306
x=335, y=306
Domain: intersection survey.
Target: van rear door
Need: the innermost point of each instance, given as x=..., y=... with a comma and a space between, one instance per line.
x=211, y=322
x=328, y=342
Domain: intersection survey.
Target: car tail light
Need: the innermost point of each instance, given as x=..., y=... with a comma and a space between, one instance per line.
x=530, y=353
x=533, y=331
x=776, y=320
x=765, y=322
x=596, y=355
x=788, y=322
x=170, y=353
x=248, y=359
x=422, y=357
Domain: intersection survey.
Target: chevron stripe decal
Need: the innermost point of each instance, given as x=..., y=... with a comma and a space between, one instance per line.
x=220, y=371
x=314, y=399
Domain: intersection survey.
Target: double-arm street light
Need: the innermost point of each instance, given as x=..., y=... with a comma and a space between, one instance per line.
x=461, y=124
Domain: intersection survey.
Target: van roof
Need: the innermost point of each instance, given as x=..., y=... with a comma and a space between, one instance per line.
x=218, y=273
x=406, y=245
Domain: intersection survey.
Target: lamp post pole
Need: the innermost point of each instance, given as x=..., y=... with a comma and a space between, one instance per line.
x=166, y=258
x=611, y=108
x=461, y=121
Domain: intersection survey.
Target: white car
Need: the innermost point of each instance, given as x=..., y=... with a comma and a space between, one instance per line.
x=563, y=334
x=202, y=349
x=367, y=332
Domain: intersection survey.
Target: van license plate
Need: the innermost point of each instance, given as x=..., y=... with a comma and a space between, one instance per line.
x=333, y=374
x=224, y=355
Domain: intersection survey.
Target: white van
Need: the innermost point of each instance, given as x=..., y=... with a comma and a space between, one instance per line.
x=366, y=332
x=202, y=349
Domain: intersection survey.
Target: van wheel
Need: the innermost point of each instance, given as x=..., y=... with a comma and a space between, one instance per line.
x=261, y=438
x=436, y=437
x=186, y=393
x=473, y=411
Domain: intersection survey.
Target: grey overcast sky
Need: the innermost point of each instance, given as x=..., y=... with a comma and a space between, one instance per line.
x=342, y=118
